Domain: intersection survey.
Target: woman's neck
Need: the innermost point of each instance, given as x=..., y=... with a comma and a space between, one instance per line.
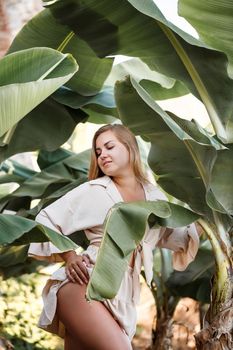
x=129, y=188
x=126, y=182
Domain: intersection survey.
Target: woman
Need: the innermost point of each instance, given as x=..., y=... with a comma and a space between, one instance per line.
x=116, y=175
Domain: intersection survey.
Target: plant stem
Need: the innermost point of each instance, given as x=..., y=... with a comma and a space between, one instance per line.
x=197, y=81
x=65, y=42
x=223, y=287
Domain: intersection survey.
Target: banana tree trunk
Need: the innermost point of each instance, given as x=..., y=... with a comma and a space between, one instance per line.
x=217, y=332
x=162, y=334
x=165, y=307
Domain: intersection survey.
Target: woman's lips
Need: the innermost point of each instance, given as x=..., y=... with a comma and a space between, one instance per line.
x=107, y=162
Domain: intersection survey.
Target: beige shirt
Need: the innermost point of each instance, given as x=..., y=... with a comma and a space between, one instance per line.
x=85, y=208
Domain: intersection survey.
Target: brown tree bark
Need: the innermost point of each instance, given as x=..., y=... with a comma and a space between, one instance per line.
x=218, y=334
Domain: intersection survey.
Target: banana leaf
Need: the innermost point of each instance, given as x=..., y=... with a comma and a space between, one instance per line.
x=44, y=30
x=158, y=85
x=20, y=81
x=213, y=22
x=63, y=175
x=124, y=229
x=145, y=33
x=47, y=127
x=16, y=230
x=169, y=156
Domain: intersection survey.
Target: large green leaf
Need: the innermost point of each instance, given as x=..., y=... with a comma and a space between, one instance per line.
x=221, y=182
x=59, y=177
x=16, y=230
x=100, y=108
x=157, y=84
x=70, y=98
x=190, y=163
x=46, y=159
x=124, y=229
x=23, y=87
x=145, y=33
x=213, y=22
x=171, y=139
x=44, y=30
x=47, y=127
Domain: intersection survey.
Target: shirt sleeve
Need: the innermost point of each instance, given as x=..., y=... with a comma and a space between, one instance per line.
x=183, y=241
x=78, y=210
x=56, y=216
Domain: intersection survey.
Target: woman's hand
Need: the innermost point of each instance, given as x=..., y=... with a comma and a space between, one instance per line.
x=76, y=270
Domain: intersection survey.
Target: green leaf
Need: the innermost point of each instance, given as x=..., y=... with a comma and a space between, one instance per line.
x=70, y=98
x=100, y=108
x=158, y=85
x=44, y=30
x=15, y=169
x=47, y=127
x=13, y=255
x=124, y=229
x=46, y=158
x=20, y=81
x=221, y=182
x=145, y=33
x=16, y=230
x=55, y=177
x=181, y=154
x=213, y=22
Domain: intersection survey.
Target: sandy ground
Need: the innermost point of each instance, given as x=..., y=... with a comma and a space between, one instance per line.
x=185, y=325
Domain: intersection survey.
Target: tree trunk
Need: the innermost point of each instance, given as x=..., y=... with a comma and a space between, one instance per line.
x=162, y=335
x=218, y=334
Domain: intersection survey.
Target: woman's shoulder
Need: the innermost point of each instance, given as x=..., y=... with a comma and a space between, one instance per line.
x=90, y=187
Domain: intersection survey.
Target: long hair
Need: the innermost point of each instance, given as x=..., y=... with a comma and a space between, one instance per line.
x=127, y=138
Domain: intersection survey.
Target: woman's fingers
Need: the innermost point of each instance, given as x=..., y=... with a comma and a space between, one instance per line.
x=76, y=270
x=80, y=272
x=69, y=276
x=74, y=276
x=87, y=260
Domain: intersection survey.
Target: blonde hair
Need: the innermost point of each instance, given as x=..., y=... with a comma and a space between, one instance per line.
x=127, y=138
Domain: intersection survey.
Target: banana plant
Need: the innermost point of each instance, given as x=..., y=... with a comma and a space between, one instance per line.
x=187, y=159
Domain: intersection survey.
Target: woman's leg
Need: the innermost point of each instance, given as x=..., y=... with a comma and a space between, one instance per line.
x=89, y=325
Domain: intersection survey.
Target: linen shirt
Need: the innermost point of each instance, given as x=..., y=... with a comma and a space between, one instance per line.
x=85, y=208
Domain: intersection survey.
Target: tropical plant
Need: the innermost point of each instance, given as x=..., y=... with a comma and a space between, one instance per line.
x=187, y=159
x=190, y=163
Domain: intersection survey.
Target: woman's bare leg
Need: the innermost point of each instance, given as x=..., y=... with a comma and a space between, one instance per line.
x=90, y=326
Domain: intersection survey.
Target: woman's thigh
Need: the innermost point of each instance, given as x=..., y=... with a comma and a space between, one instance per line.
x=89, y=325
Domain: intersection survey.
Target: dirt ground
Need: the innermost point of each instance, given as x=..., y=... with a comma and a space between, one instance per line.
x=186, y=323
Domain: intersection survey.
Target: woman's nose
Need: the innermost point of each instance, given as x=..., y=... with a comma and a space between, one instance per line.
x=103, y=154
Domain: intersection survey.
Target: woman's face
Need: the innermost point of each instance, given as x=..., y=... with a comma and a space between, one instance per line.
x=112, y=156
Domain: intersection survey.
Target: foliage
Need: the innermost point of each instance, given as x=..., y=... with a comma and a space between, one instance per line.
x=19, y=312
x=191, y=163
x=20, y=81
